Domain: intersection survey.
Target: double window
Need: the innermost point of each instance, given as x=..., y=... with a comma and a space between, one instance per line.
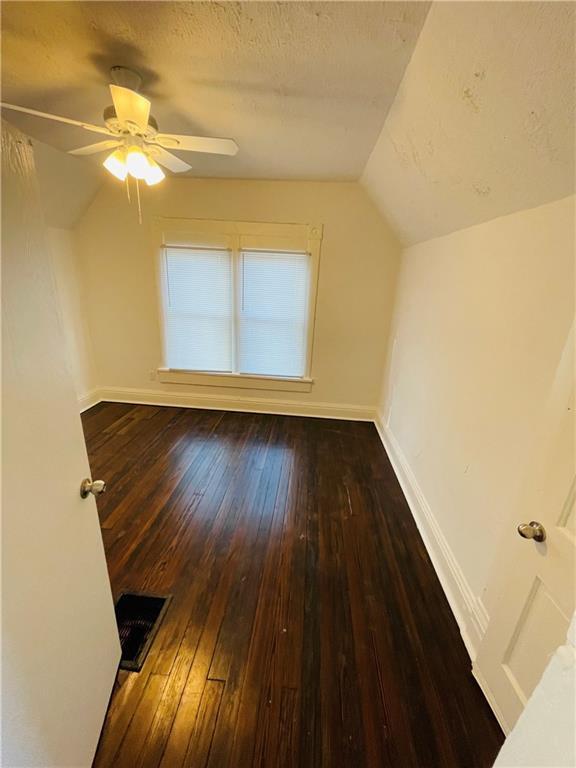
x=239, y=301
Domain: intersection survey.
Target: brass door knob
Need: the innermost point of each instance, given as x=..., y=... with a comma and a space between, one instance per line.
x=533, y=530
x=95, y=487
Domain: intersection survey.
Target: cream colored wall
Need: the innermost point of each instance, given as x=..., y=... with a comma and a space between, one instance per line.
x=70, y=291
x=481, y=319
x=357, y=278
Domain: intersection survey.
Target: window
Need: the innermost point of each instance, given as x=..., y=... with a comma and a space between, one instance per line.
x=239, y=304
x=272, y=313
x=198, y=309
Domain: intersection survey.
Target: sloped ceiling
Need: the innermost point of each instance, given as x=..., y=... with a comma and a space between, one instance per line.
x=67, y=185
x=303, y=87
x=478, y=124
x=483, y=121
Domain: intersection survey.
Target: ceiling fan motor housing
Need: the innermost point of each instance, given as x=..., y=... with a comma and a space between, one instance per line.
x=127, y=78
x=113, y=124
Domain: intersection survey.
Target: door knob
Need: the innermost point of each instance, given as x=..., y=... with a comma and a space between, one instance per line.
x=532, y=530
x=96, y=487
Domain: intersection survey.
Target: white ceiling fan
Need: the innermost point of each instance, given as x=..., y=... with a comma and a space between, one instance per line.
x=138, y=148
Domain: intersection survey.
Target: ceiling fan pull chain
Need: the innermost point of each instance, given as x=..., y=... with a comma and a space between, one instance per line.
x=138, y=196
x=128, y=187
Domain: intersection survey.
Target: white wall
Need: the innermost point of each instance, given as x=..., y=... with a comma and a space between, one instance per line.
x=71, y=300
x=358, y=266
x=481, y=319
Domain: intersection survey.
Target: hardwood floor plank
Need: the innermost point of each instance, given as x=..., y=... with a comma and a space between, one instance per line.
x=124, y=702
x=310, y=753
x=265, y=633
x=307, y=626
x=203, y=734
x=287, y=736
x=342, y=731
x=141, y=721
x=236, y=632
x=176, y=747
x=153, y=745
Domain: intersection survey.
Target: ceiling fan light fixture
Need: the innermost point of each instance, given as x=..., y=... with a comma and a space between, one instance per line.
x=137, y=163
x=115, y=163
x=154, y=174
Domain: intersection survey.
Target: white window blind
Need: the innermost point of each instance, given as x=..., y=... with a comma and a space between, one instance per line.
x=199, y=309
x=273, y=299
x=240, y=311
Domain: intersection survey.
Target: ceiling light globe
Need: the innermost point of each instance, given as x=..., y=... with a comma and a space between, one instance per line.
x=154, y=174
x=137, y=163
x=116, y=164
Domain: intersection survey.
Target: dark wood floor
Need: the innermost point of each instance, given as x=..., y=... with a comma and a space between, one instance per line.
x=307, y=627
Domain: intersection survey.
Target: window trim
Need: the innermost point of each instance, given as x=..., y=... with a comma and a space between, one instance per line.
x=238, y=380
x=237, y=236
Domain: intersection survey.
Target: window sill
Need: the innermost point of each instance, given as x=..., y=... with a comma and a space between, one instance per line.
x=236, y=380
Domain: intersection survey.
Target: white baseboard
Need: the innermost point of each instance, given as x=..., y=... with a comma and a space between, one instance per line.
x=88, y=399
x=232, y=403
x=468, y=609
x=490, y=699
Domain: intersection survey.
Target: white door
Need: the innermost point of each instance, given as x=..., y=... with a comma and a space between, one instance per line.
x=535, y=583
x=60, y=643
x=544, y=736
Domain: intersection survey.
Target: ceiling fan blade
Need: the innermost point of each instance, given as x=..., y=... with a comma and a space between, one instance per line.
x=48, y=116
x=100, y=146
x=170, y=161
x=196, y=144
x=130, y=106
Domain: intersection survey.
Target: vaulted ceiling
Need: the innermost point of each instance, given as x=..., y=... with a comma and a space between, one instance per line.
x=451, y=114
x=483, y=122
x=303, y=87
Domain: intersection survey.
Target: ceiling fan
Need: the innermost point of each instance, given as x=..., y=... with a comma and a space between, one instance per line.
x=138, y=148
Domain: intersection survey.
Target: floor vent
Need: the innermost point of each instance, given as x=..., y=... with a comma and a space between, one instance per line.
x=138, y=617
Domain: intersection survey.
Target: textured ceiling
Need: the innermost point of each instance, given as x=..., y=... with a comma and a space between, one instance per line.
x=483, y=122
x=303, y=87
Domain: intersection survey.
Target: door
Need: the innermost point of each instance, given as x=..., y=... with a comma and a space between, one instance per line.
x=60, y=646
x=535, y=581
x=544, y=733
